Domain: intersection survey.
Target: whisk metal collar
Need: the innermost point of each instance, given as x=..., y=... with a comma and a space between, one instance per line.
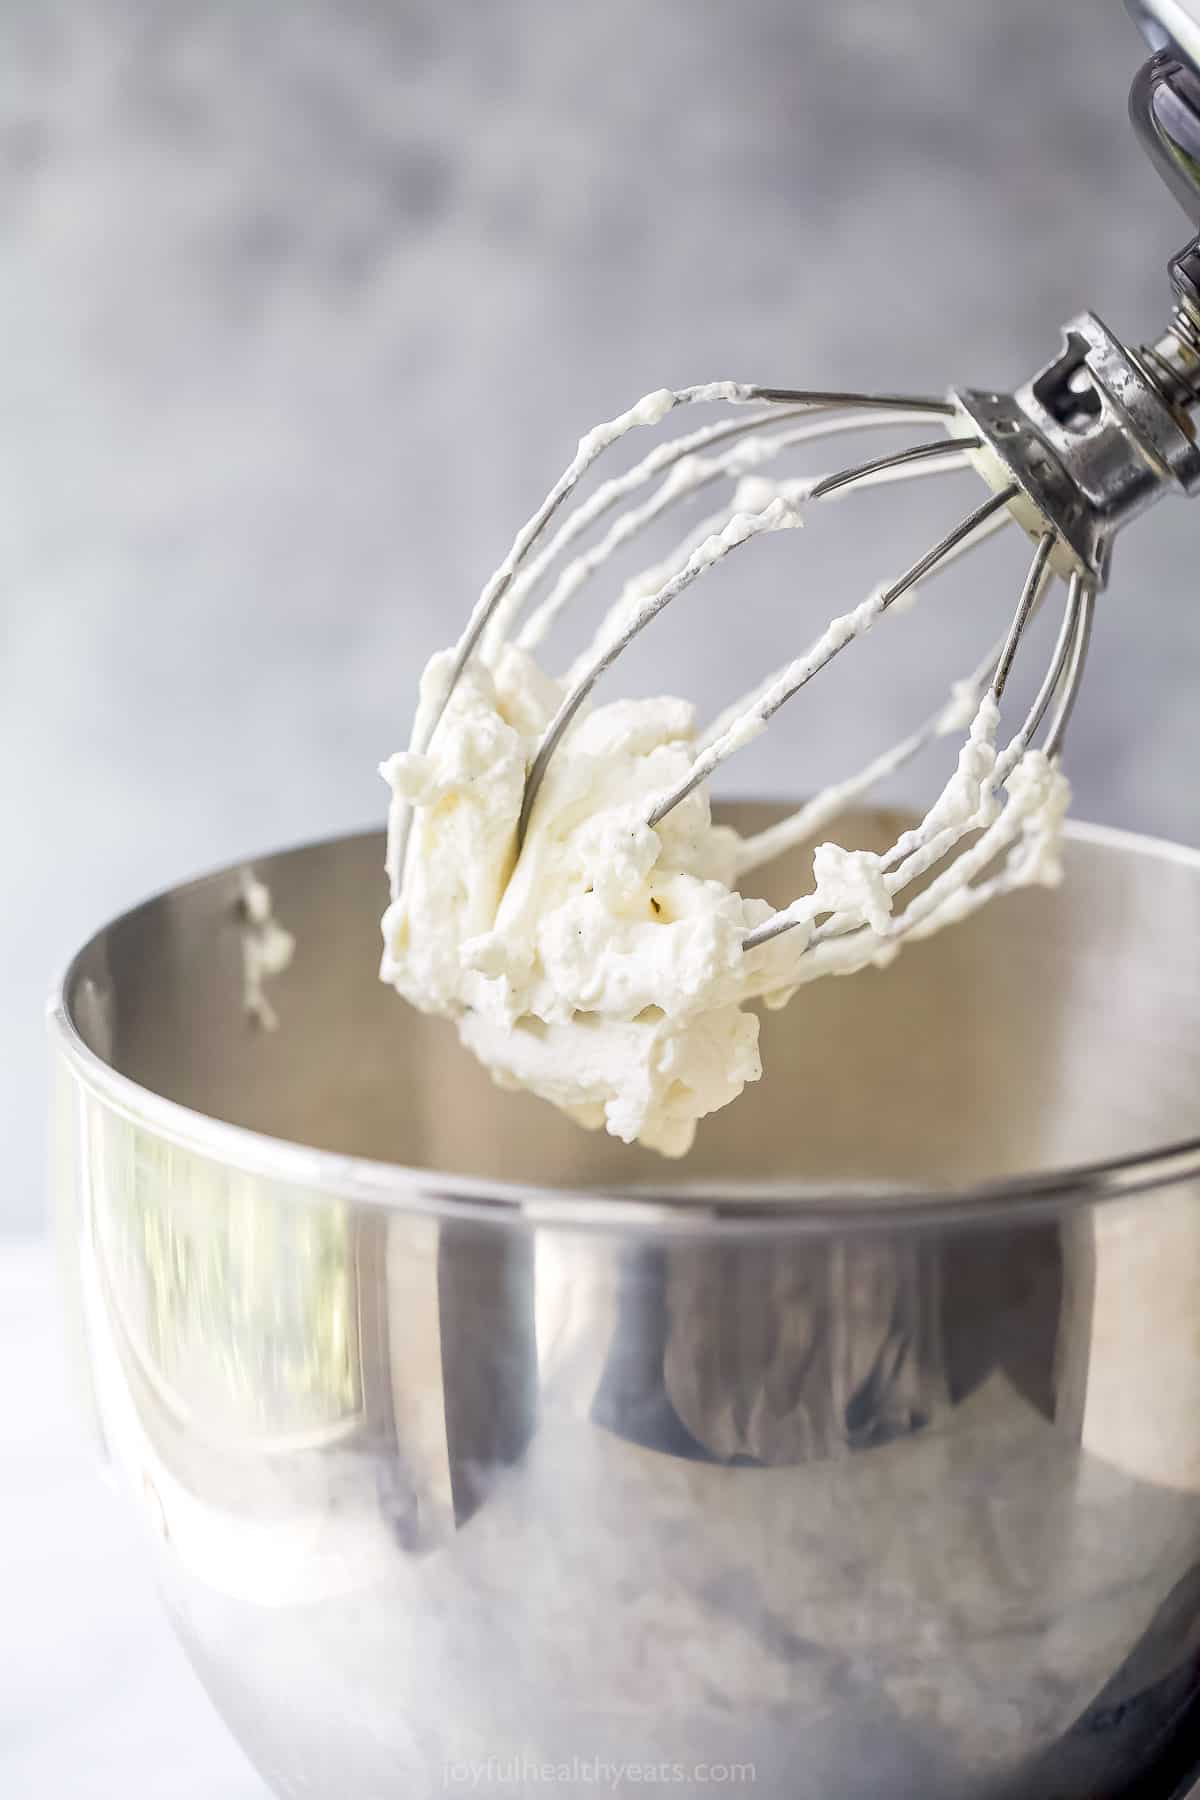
x=1092, y=441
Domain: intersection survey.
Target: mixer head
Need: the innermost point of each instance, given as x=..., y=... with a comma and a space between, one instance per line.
x=1075, y=454
x=1164, y=102
x=1103, y=431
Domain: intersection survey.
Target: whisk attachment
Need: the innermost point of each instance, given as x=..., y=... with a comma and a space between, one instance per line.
x=738, y=451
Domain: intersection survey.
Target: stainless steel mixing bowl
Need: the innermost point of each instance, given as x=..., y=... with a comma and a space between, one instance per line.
x=857, y=1454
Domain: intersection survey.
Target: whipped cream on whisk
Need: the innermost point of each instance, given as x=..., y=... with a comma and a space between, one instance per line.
x=601, y=963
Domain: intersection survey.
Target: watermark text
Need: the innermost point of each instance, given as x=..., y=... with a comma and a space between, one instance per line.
x=519, y=1773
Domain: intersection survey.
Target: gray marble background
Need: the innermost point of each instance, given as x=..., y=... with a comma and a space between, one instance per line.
x=303, y=304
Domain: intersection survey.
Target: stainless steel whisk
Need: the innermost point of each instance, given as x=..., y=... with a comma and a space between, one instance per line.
x=1093, y=440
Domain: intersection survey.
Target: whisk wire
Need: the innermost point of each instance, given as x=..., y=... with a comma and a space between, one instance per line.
x=1031, y=593
x=1021, y=739
x=1074, y=676
x=835, y=397
x=830, y=484
x=742, y=447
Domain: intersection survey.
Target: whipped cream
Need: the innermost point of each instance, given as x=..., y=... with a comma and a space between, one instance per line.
x=267, y=948
x=602, y=964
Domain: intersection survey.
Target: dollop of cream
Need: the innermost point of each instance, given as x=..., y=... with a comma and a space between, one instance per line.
x=602, y=967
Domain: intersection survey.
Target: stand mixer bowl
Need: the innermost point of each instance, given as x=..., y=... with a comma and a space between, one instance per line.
x=857, y=1453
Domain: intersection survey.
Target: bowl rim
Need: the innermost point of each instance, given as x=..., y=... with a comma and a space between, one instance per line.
x=724, y=1206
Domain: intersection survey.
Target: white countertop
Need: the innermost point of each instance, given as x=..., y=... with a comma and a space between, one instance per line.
x=97, y=1701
